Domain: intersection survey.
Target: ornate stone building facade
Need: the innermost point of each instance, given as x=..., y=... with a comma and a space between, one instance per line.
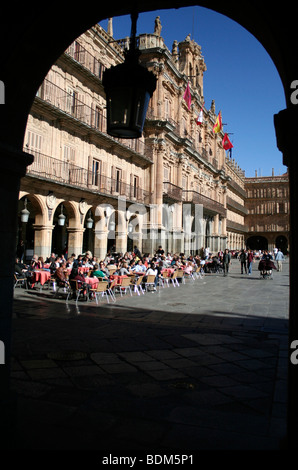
x=268, y=217
x=173, y=187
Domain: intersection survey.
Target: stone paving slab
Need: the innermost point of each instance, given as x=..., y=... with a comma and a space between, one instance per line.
x=197, y=367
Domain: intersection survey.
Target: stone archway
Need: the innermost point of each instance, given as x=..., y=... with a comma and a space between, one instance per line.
x=29, y=35
x=257, y=242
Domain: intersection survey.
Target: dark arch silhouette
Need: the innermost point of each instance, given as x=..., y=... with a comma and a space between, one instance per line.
x=32, y=39
x=257, y=243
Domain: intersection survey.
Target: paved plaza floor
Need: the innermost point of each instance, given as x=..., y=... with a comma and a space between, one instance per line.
x=202, y=366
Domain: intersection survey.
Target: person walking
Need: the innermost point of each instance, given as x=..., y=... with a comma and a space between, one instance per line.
x=250, y=258
x=279, y=258
x=243, y=258
x=226, y=259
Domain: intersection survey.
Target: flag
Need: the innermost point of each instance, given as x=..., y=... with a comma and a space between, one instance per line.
x=199, y=120
x=218, y=124
x=226, y=143
x=187, y=96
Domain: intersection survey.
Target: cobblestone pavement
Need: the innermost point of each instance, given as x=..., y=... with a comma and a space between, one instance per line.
x=202, y=366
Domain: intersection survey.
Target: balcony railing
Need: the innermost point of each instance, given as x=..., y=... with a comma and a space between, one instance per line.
x=208, y=204
x=231, y=225
x=91, y=116
x=58, y=171
x=171, y=192
x=236, y=206
x=85, y=58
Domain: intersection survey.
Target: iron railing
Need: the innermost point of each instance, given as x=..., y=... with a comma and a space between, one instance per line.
x=69, y=103
x=208, y=203
x=52, y=169
x=172, y=192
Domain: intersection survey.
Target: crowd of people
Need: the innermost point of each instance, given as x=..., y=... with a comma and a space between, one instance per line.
x=66, y=268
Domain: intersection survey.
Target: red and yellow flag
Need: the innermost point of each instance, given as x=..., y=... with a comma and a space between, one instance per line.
x=218, y=124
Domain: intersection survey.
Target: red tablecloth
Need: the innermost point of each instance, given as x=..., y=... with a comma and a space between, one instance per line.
x=118, y=278
x=167, y=270
x=40, y=276
x=92, y=281
x=83, y=269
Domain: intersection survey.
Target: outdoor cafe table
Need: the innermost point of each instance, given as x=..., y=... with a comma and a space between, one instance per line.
x=40, y=276
x=92, y=281
x=83, y=269
x=167, y=270
x=118, y=278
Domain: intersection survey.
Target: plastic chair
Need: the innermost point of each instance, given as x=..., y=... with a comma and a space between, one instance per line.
x=150, y=281
x=125, y=285
x=138, y=285
x=174, y=279
x=180, y=275
x=101, y=290
x=165, y=278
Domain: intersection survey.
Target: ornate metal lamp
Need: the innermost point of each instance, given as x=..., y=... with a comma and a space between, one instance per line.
x=128, y=87
x=25, y=213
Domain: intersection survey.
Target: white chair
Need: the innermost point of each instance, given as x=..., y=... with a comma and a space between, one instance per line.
x=165, y=278
x=137, y=286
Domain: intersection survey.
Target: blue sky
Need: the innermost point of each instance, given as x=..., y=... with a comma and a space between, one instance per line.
x=240, y=77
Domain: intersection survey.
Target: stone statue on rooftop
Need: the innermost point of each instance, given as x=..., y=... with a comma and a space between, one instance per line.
x=157, y=26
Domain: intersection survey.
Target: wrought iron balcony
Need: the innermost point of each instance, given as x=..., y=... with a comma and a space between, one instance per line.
x=171, y=192
x=54, y=170
x=67, y=103
x=209, y=204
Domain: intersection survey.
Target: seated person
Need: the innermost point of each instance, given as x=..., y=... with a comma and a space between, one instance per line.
x=76, y=276
x=40, y=262
x=123, y=271
x=35, y=263
x=21, y=271
x=152, y=271
x=98, y=273
x=60, y=275
x=139, y=267
x=103, y=268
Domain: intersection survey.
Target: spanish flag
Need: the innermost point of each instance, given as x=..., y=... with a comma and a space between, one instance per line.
x=218, y=124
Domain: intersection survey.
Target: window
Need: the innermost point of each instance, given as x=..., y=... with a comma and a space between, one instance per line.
x=69, y=154
x=135, y=186
x=34, y=142
x=98, y=118
x=96, y=167
x=70, y=101
x=117, y=180
x=166, y=174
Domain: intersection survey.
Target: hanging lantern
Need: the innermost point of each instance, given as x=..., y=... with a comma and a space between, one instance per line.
x=25, y=213
x=128, y=87
x=61, y=217
x=89, y=221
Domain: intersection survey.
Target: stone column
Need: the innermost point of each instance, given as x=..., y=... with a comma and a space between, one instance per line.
x=75, y=240
x=100, y=244
x=121, y=242
x=43, y=240
x=216, y=238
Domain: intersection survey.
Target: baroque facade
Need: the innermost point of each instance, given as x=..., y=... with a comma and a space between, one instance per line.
x=173, y=187
x=268, y=217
